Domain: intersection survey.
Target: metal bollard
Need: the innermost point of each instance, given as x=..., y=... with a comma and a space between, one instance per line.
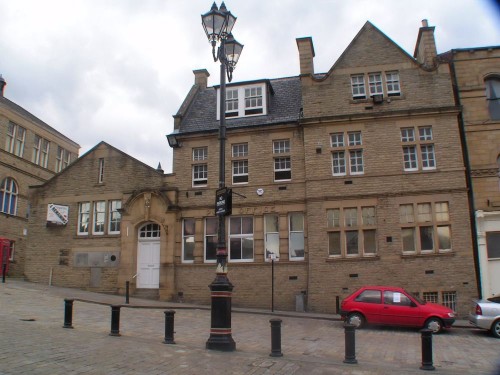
x=337, y=305
x=127, y=290
x=115, y=320
x=276, y=338
x=350, y=343
x=169, y=327
x=68, y=313
x=4, y=271
x=426, y=350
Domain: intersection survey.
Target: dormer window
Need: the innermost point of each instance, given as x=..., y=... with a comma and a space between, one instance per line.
x=244, y=101
x=253, y=101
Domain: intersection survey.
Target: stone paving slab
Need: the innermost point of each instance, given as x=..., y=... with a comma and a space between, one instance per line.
x=32, y=341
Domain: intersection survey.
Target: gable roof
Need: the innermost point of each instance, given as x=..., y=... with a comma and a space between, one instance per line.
x=107, y=145
x=32, y=118
x=285, y=103
x=370, y=37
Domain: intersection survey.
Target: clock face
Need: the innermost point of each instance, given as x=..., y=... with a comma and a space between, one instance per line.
x=260, y=191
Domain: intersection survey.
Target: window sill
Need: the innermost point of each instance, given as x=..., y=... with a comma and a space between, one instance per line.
x=428, y=255
x=352, y=259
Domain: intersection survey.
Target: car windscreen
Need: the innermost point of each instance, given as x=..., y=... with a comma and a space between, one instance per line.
x=421, y=301
x=495, y=299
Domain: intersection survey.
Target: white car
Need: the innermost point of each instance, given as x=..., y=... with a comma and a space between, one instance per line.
x=486, y=314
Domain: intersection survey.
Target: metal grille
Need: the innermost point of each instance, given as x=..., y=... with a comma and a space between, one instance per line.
x=450, y=300
x=430, y=297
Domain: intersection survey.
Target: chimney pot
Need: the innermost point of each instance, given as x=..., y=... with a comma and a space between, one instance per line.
x=425, y=23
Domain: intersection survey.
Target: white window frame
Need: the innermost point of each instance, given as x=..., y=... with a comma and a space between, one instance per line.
x=418, y=148
x=392, y=83
x=232, y=104
x=348, y=157
x=200, y=175
x=14, y=142
x=82, y=214
x=239, y=150
x=40, y=151
x=293, y=232
x=207, y=235
x=271, y=237
x=241, y=109
x=375, y=84
x=63, y=158
x=10, y=191
x=188, y=237
x=114, y=216
x=200, y=153
x=241, y=237
x=358, y=86
x=99, y=217
x=282, y=165
x=240, y=171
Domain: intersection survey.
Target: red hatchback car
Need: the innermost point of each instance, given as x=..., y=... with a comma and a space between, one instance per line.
x=388, y=305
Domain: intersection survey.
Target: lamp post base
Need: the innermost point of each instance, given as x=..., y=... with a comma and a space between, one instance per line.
x=220, y=330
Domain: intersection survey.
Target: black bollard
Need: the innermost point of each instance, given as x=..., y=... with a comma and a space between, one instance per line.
x=68, y=313
x=350, y=343
x=4, y=271
x=276, y=338
x=127, y=289
x=337, y=304
x=169, y=327
x=115, y=320
x=426, y=350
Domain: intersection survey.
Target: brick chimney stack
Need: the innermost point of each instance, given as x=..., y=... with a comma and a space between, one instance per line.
x=306, y=55
x=2, y=85
x=425, y=49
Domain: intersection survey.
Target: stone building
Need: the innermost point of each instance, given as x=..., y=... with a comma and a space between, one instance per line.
x=31, y=152
x=118, y=214
x=351, y=177
x=476, y=78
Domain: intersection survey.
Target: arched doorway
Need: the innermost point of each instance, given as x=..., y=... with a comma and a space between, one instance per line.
x=148, y=257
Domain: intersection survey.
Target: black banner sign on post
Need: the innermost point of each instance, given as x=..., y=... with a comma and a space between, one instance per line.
x=223, y=202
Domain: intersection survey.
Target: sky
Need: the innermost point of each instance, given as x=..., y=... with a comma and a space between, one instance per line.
x=118, y=70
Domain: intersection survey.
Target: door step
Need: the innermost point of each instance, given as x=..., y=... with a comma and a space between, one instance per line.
x=153, y=294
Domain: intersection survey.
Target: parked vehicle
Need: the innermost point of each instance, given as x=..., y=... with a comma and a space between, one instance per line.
x=387, y=305
x=486, y=314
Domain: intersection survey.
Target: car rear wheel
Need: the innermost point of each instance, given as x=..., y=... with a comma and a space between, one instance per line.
x=356, y=319
x=495, y=328
x=434, y=324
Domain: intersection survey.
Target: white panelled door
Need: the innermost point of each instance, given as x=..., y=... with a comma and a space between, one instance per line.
x=148, y=264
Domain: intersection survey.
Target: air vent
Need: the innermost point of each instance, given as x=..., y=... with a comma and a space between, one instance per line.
x=378, y=99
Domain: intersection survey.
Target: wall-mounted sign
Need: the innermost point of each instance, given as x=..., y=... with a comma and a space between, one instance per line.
x=223, y=201
x=57, y=215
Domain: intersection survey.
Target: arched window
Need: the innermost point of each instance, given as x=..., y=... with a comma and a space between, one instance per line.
x=150, y=231
x=8, y=196
x=493, y=96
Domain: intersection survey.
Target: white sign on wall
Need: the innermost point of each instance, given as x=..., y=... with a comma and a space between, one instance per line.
x=57, y=214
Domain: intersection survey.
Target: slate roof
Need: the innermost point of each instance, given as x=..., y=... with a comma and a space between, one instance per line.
x=32, y=118
x=285, y=103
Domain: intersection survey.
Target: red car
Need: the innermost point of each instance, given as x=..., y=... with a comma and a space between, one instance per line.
x=388, y=305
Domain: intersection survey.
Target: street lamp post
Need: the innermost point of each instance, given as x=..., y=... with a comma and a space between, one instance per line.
x=218, y=23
